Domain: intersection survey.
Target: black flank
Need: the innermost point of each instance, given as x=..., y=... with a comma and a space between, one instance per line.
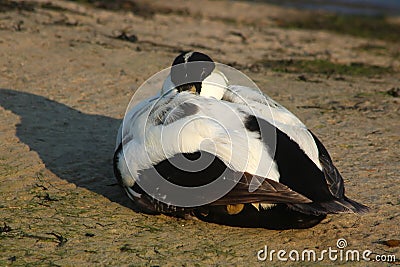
x=175, y=169
x=117, y=172
x=296, y=170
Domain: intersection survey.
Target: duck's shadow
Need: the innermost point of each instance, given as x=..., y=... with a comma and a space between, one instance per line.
x=75, y=146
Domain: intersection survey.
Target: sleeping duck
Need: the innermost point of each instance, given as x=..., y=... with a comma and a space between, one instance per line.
x=225, y=153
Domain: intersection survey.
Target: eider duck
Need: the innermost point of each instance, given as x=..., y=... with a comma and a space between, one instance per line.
x=224, y=153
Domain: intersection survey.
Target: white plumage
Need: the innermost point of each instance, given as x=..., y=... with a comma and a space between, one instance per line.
x=220, y=122
x=266, y=108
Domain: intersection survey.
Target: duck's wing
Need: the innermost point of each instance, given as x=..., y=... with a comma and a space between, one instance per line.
x=331, y=173
x=225, y=186
x=335, y=181
x=267, y=191
x=303, y=162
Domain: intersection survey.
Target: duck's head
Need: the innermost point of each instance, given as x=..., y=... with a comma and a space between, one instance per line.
x=196, y=73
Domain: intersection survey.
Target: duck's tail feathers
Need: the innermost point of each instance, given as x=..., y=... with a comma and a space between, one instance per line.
x=344, y=205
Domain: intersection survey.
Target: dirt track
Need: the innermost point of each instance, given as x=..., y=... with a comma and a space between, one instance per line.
x=66, y=79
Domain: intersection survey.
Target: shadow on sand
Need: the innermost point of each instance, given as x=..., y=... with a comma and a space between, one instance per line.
x=77, y=147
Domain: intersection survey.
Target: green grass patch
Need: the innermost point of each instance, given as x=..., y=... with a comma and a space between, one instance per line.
x=149, y=228
x=371, y=47
x=7, y=169
x=320, y=66
x=374, y=27
x=128, y=248
x=374, y=49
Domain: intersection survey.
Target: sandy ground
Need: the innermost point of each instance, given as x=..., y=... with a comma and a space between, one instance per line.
x=65, y=83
